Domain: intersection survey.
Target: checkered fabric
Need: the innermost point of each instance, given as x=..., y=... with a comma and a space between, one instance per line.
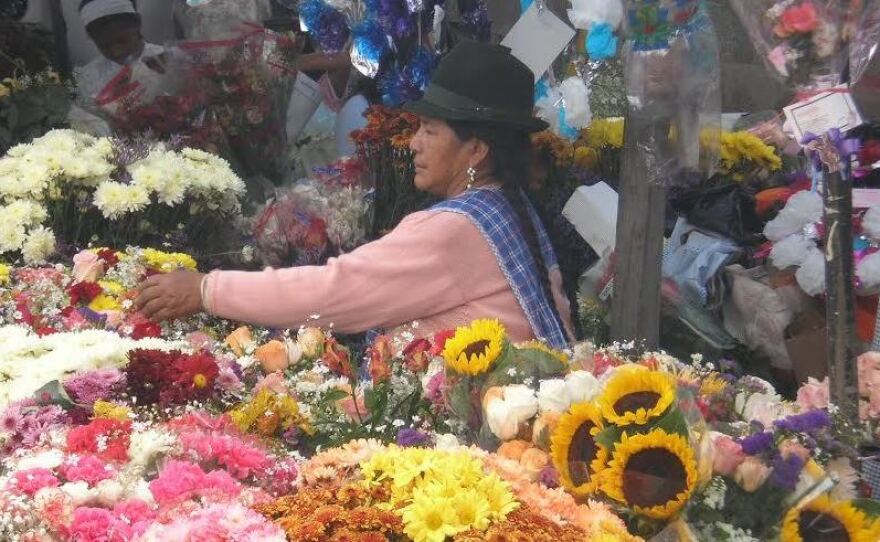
x=489, y=210
x=871, y=475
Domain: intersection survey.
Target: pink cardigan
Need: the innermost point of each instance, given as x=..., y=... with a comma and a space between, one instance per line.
x=435, y=269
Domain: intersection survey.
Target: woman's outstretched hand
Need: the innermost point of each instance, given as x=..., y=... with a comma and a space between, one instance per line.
x=174, y=295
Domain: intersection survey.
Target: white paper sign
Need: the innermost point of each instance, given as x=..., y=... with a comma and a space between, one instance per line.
x=822, y=113
x=592, y=210
x=538, y=38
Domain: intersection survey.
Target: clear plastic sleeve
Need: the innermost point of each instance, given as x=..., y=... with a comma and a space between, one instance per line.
x=672, y=77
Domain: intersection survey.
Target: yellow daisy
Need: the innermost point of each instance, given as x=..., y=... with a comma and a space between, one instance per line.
x=652, y=473
x=473, y=349
x=636, y=395
x=823, y=519
x=576, y=455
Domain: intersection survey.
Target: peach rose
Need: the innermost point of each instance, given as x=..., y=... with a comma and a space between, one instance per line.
x=273, y=382
x=355, y=412
x=533, y=462
x=199, y=340
x=543, y=428
x=513, y=449
x=240, y=340
x=814, y=394
x=311, y=341
x=792, y=447
x=87, y=266
x=272, y=356
x=751, y=474
x=728, y=455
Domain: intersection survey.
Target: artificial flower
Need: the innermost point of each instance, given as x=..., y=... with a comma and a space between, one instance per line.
x=601, y=42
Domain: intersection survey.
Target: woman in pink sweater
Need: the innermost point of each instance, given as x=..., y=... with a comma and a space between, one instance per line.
x=482, y=252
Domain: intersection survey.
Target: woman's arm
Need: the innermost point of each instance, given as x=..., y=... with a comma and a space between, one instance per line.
x=402, y=277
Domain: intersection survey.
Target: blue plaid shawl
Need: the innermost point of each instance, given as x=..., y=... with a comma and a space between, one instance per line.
x=496, y=219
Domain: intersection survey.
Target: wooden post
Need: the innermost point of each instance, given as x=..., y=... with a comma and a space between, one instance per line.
x=635, y=312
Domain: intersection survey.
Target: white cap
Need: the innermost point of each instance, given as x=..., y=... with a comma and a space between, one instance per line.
x=98, y=9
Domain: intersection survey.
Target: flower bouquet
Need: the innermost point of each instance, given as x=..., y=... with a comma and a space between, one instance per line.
x=384, y=147
x=82, y=189
x=315, y=219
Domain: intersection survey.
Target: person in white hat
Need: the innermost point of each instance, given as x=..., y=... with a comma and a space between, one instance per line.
x=115, y=28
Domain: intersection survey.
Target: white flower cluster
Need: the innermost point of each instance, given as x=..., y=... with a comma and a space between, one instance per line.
x=21, y=230
x=28, y=362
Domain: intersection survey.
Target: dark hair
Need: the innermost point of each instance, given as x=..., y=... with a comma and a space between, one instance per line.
x=122, y=19
x=510, y=157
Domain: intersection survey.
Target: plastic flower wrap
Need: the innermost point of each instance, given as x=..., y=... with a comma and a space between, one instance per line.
x=672, y=77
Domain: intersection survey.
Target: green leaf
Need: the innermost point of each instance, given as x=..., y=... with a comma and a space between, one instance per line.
x=609, y=437
x=335, y=395
x=868, y=506
x=673, y=422
x=53, y=394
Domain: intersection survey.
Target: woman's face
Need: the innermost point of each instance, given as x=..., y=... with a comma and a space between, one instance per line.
x=441, y=159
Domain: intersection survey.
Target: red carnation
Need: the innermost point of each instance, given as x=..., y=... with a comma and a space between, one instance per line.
x=84, y=292
x=106, y=438
x=440, y=339
x=146, y=329
x=109, y=257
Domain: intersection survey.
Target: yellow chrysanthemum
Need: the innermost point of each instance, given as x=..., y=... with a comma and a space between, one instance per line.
x=474, y=348
x=636, y=395
x=168, y=261
x=5, y=271
x=103, y=302
x=112, y=411
x=576, y=455
x=538, y=345
x=653, y=473
x=267, y=413
x=430, y=520
x=472, y=509
x=823, y=519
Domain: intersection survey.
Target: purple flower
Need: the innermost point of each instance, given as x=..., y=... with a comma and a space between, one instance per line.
x=408, y=438
x=549, y=477
x=808, y=422
x=786, y=471
x=86, y=388
x=757, y=443
x=11, y=419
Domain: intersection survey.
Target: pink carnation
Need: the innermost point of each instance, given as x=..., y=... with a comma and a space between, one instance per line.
x=98, y=525
x=180, y=480
x=813, y=395
x=88, y=469
x=136, y=513
x=30, y=481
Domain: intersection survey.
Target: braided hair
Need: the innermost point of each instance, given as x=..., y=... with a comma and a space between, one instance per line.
x=510, y=156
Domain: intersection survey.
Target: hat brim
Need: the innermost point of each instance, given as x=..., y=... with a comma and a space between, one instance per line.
x=427, y=108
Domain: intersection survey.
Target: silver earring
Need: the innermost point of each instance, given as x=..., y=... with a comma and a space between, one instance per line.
x=472, y=177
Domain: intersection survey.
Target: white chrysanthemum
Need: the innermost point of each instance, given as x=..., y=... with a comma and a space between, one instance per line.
x=12, y=237
x=40, y=244
x=115, y=199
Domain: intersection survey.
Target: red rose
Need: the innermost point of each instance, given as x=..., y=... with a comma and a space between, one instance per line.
x=797, y=19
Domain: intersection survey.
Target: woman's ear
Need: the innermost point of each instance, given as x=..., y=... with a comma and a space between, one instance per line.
x=479, y=151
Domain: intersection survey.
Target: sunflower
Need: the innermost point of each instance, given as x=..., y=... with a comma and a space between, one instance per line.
x=473, y=349
x=636, y=395
x=576, y=455
x=542, y=347
x=828, y=521
x=653, y=473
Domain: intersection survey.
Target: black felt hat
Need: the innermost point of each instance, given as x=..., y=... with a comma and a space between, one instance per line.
x=481, y=83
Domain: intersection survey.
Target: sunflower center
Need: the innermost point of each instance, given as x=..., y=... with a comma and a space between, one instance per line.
x=653, y=477
x=818, y=527
x=632, y=402
x=581, y=452
x=476, y=348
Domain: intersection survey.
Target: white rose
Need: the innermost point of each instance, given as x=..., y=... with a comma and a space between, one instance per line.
x=582, y=386
x=310, y=341
x=520, y=400
x=553, y=396
x=446, y=441
x=763, y=407
x=501, y=419
x=294, y=353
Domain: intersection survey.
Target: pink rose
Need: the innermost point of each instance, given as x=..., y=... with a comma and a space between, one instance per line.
x=87, y=267
x=273, y=382
x=869, y=365
x=200, y=341
x=813, y=395
x=751, y=474
x=728, y=455
x=354, y=412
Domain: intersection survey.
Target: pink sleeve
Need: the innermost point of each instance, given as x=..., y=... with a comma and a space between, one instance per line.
x=400, y=278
